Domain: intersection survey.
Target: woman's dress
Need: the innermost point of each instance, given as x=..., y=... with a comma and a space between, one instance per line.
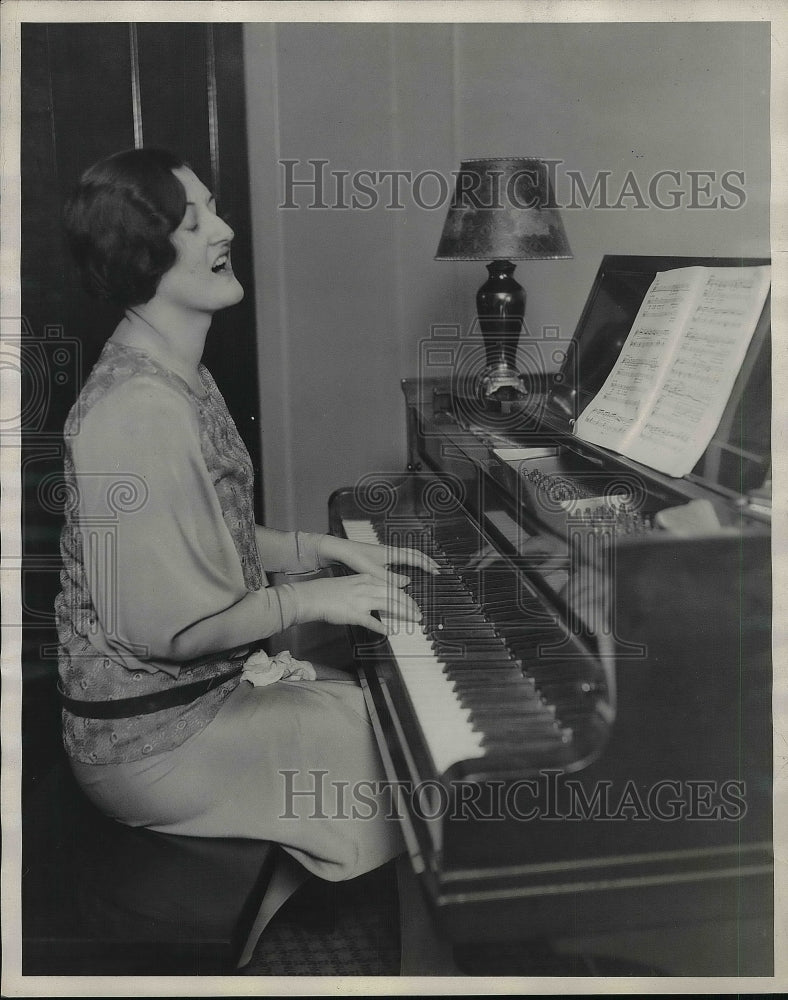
x=163, y=587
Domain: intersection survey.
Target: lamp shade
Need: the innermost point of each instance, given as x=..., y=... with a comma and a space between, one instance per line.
x=503, y=209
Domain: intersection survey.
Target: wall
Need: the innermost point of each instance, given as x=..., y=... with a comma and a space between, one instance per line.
x=68, y=123
x=189, y=78
x=345, y=295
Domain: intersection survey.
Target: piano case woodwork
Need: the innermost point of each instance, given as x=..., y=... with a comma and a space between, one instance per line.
x=656, y=816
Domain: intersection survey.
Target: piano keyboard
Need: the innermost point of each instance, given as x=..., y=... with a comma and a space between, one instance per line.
x=471, y=668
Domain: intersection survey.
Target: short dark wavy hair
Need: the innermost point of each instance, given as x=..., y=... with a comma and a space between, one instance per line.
x=119, y=222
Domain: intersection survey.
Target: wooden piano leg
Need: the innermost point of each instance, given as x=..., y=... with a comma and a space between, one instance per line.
x=422, y=953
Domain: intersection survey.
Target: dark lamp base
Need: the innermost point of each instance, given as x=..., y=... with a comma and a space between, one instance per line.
x=509, y=409
x=502, y=383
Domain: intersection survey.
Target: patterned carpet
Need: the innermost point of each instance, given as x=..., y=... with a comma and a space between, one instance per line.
x=352, y=929
x=327, y=929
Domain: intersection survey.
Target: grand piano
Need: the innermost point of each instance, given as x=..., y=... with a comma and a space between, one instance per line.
x=580, y=729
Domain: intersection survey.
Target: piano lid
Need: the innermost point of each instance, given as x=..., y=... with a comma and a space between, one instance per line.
x=738, y=458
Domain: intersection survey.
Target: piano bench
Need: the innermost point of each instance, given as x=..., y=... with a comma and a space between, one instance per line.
x=100, y=898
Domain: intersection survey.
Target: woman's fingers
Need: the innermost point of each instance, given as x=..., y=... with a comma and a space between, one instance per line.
x=412, y=557
x=352, y=600
x=394, y=602
x=376, y=595
x=393, y=579
x=374, y=625
x=385, y=625
x=403, y=606
x=365, y=557
x=379, y=572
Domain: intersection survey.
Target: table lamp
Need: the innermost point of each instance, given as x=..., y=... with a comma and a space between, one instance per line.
x=503, y=210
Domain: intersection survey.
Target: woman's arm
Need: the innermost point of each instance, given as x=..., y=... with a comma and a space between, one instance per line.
x=163, y=571
x=288, y=551
x=306, y=552
x=374, y=559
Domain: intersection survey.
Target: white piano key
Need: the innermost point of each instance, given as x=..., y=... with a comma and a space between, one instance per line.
x=446, y=725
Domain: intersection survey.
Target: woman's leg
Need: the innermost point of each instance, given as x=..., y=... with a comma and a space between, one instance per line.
x=295, y=763
x=288, y=876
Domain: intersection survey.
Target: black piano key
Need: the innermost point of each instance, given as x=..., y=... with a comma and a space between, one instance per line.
x=488, y=662
x=461, y=621
x=446, y=599
x=456, y=626
x=479, y=680
x=511, y=691
x=507, y=730
x=451, y=629
x=462, y=665
x=490, y=634
x=515, y=718
x=445, y=578
x=473, y=659
x=489, y=699
x=525, y=713
x=496, y=691
x=498, y=580
x=480, y=677
x=457, y=612
x=458, y=647
x=472, y=665
x=468, y=652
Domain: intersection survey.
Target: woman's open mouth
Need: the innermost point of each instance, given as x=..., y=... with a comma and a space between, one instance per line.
x=222, y=264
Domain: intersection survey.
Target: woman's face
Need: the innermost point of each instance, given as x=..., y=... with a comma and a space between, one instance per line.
x=201, y=279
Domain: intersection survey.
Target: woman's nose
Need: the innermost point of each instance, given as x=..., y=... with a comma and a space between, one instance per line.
x=222, y=231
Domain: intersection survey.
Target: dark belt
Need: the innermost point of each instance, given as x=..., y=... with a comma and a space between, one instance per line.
x=123, y=708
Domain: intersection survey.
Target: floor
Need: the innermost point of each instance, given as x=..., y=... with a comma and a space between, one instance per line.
x=328, y=929
x=352, y=929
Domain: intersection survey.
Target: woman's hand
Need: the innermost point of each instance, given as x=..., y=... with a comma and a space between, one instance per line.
x=373, y=559
x=350, y=600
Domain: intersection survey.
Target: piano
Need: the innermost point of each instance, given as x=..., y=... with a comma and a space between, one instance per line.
x=580, y=729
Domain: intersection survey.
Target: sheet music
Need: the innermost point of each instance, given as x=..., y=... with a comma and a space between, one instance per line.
x=667, y=391
x=629, y=388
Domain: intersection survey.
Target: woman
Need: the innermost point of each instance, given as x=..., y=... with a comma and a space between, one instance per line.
x=164, y=600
